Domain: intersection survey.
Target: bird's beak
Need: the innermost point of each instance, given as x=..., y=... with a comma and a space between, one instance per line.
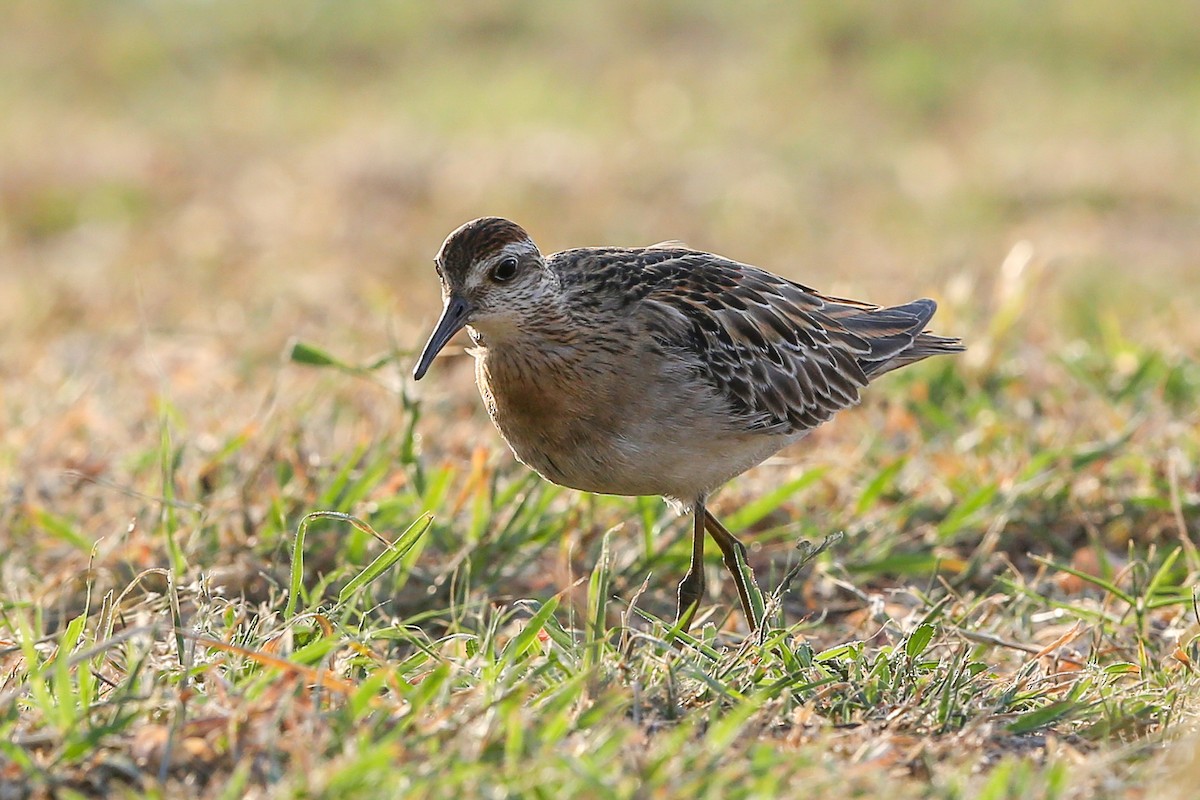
x=454, y=317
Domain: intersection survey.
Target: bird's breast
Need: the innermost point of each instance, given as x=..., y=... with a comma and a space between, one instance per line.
x=554, y=415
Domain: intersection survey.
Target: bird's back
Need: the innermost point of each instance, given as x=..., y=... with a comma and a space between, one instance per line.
x=784, y=356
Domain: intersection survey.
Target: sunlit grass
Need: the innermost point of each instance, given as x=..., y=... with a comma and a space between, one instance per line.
x=242, y=556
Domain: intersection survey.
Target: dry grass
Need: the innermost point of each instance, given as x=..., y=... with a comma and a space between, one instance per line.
x=188, y=189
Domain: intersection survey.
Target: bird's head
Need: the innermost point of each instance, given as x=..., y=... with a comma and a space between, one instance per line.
x=494, y=279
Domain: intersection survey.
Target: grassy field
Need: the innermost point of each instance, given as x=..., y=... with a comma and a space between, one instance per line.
x=217, y=222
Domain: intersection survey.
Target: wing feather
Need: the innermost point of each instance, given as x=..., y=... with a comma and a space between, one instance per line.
x=783, y=356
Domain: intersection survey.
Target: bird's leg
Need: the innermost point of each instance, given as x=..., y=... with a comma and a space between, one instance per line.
x=731, y=549
x=691, y=588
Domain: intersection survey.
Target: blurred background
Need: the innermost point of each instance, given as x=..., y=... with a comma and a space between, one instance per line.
x=186, y=186
x=190, y=187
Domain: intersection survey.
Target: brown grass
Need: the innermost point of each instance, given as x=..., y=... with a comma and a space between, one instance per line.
x=186, y=189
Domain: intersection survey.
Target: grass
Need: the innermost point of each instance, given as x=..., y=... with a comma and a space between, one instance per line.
x=244, y=556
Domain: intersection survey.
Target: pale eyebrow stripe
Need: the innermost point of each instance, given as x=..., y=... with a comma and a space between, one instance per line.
x=517, y=248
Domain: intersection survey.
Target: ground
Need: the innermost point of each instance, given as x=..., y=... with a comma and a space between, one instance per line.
x=217, y=222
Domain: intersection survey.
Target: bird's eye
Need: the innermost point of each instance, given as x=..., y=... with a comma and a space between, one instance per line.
x=505, y=270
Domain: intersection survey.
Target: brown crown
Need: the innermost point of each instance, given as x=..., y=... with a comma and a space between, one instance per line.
x=476, y=239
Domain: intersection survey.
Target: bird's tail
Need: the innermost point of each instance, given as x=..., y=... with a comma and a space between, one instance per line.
x=896, y=335
x=925, y=345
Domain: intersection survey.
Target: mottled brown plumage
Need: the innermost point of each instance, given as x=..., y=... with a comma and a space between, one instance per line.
x=659, y=370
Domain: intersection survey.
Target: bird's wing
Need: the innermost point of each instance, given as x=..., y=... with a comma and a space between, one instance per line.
x=785, y=357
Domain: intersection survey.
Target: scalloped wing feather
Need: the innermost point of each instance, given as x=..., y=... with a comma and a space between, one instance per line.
x=785, y=357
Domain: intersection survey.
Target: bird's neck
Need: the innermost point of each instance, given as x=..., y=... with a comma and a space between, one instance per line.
x=531, y=376
x=548, y=329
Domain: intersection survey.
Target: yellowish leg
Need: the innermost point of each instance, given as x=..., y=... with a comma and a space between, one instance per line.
x=731, y=549
x=691, y=588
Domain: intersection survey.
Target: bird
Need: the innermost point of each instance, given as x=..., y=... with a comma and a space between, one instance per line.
x=659, y=370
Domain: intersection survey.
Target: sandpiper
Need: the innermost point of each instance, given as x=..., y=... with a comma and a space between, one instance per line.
x=659, y=370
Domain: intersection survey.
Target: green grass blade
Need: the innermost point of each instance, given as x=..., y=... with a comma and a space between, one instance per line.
x=1087, y=577
x=763, y=505
x=61, y=529
x=518, y=644
x=396, y=551
x=919, y=639
x=597, y=601
x=1042, y=717
x=879, y=484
